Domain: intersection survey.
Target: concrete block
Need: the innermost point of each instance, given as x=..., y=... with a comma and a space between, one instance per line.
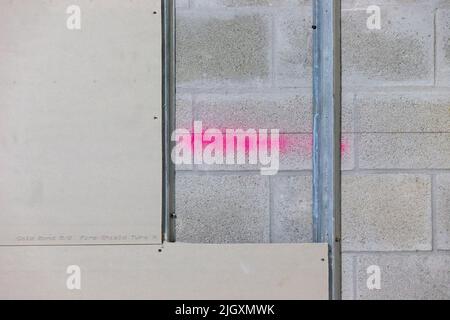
x=443, y=211
x=249, y=3
x=296, y=152
x=348, y=274
x=184, y=111
x=402, y=112
x=400, y=53
x=347, y=152
x=289, y=113
x=352, y=4
x=292, y=209
x=222, y=209
x=293, y=51
x=386, y=212
x=223, y=49
x=406, y=277
x=348, y=112
x=182, y=3
x=184, y=120
x=443, y=47
x=404, y=151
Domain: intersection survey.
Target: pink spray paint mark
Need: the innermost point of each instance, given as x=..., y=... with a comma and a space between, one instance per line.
x=301, y=144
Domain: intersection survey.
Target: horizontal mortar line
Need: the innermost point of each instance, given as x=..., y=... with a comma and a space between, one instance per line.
x=399, y=253
x=243, y=9
x=355, y=9
x=267, y=9
x=308, y=90
x=293, y=87
x=398, y=132
x=243, y=128
x=243, y=90
x=346, y=172
x=386, y=5
x=395, y=5
x=397, y=88
x=257, y=172
x=286, y=173
x=346, y=90
x=184, y=8
x=220, y=173
x=237, y=171
x=396, y=171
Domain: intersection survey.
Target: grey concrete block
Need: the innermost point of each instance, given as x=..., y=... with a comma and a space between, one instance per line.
x=222, y=209
x=404, y=151
x=348, y=152
x=223, y=49
x=362, y=4
x=443, y=211
x=184, y=112
x=292, y=209
x=296, y=152
x=182, y=3
x=348, y=275
x=293, y=51
x=406, y=277
x=249, y=3
x=348, y=112
x=402, y=112
x=400, y=53
x=184, y=120
x=443, y=47
x=289, y=113
x=386, y=212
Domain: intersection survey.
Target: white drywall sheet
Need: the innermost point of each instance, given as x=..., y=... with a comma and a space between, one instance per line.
x=80, y=122
x=179, y=271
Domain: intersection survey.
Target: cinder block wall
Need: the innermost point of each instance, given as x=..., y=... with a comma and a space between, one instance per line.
x=247, y=64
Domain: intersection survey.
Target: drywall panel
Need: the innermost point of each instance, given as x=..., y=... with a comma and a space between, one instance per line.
x=80, y=129
x=179, y=271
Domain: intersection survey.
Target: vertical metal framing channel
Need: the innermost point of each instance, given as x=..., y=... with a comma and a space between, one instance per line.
x=169, y=96
x=327, y=135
